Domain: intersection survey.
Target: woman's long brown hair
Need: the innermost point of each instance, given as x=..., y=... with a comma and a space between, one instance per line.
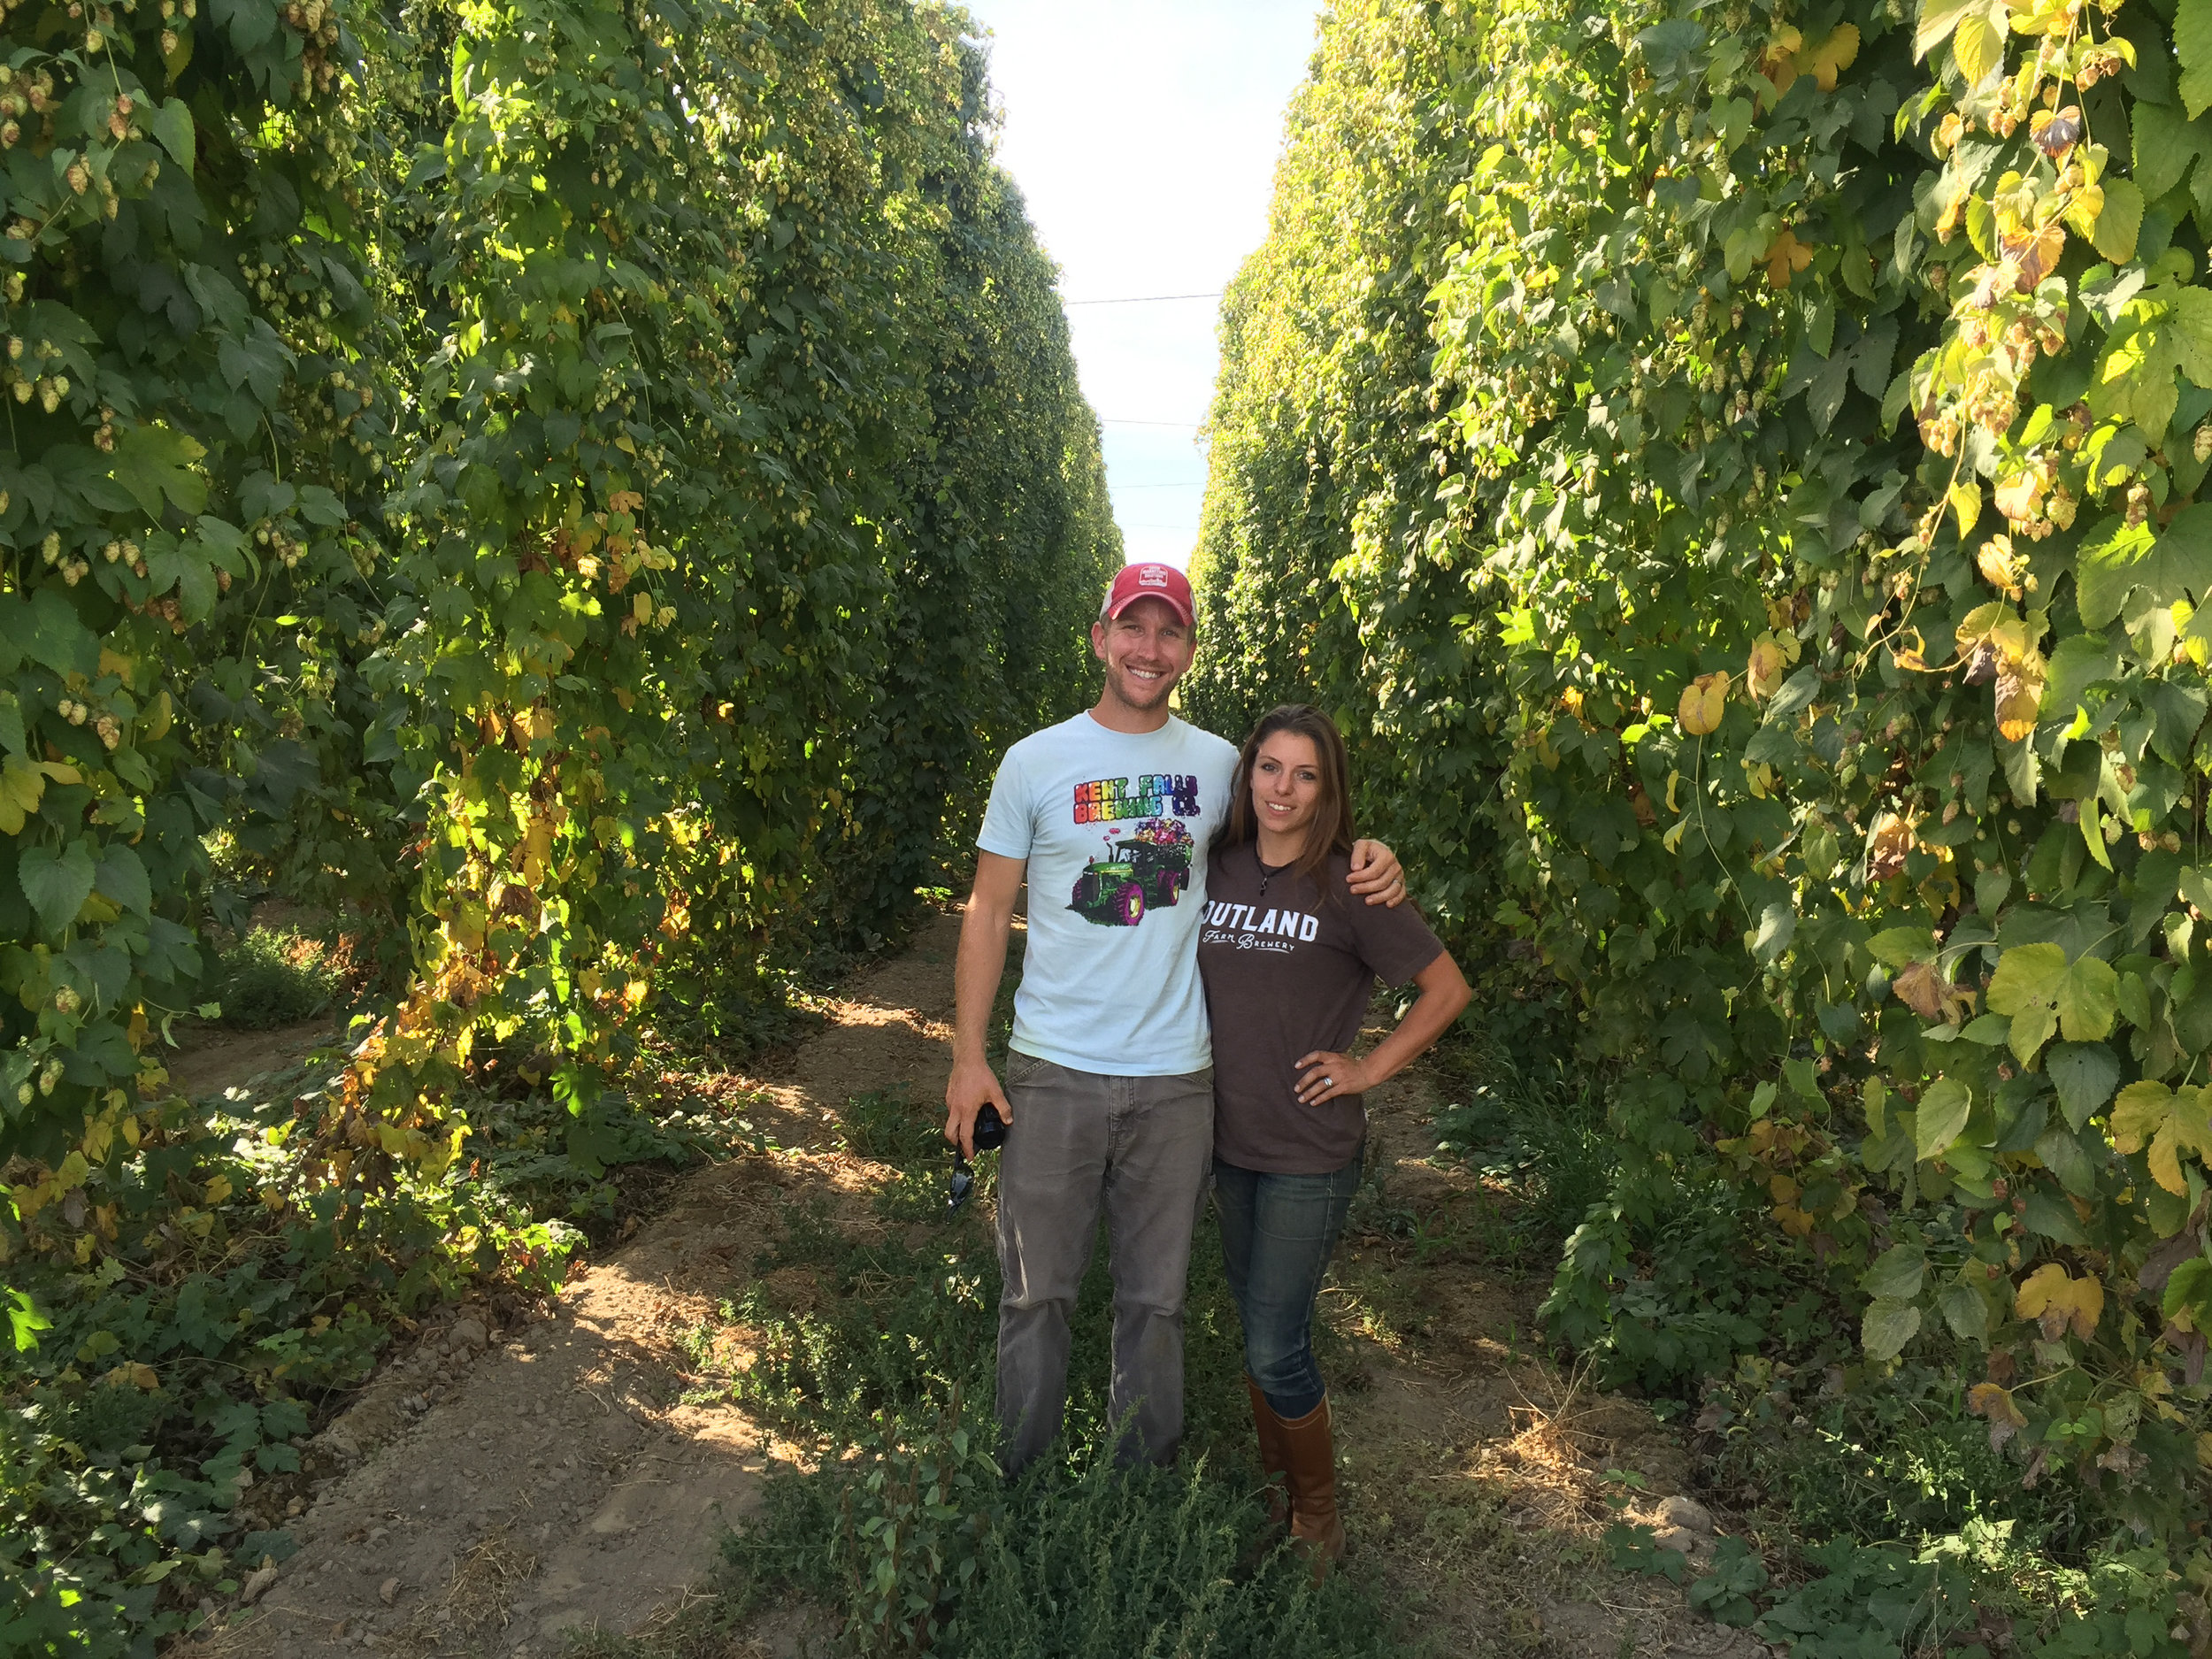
x=1331, y=830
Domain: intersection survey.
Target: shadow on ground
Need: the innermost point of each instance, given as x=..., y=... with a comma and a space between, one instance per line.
x=512, y=1478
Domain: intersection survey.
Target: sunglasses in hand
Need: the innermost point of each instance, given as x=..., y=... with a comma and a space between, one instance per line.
x=990, y=1132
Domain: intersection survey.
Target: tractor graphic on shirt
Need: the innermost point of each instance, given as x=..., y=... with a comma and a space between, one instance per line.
x=1151, y=867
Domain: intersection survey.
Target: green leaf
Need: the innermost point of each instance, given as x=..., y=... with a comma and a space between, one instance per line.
x=1900, y=947
x=2085, y=1074
x=122, y=877
x=2061, y=1154
x=47, y=630
x=2087, y=999
x=2193, y=44
x=2026, y=986
x=2188, y=1285
x=1941, y=1119
x=25, y=1321
x=1896, y=1274
x=2191, y=326
x=1992, y=887
x=152, y=462
x=1777, y=925
x=2165, y=143
x=2120, y=224
x=2081, y=661
x=57, y=885
x=2053, y=1218
x=1887, y=1327
x=172, y=123
x=1989, y=1030
x=2175, y=565
x=1965, y=1311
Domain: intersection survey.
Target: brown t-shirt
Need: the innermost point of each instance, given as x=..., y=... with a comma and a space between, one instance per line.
x=1287, y=971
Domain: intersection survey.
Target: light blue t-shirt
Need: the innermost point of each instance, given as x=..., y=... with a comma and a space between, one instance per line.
x=1115, y=827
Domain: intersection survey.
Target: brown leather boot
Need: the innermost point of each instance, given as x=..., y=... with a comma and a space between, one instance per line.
x=1310, y=1454
x=1274, y=1464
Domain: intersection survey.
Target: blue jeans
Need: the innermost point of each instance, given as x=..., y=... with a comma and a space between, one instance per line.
x=1277, y=1233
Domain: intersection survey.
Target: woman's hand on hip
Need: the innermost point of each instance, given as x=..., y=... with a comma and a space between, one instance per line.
x=1323, y=1076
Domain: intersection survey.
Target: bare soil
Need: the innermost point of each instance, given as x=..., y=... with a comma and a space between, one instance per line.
x=511, y=1478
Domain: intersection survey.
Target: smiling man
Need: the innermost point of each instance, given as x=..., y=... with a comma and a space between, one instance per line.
x=1108, y=1095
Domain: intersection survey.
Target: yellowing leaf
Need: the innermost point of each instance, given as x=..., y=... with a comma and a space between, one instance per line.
x=1966, y=500
x=2170, y=1122
x=1703, y=703
x=1837, y=52
x=2019, y=694
x=1764, y=673
x=1977, y=48
x=2037, y=254
x=1987, y=1400
x=22, y=786
x=1919, y=987
x=1785, y=257
x=2083, y=208
x=2057, y=1302
x=1994, y=559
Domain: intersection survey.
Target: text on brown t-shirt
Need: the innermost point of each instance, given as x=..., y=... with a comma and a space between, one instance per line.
x=1289, y=970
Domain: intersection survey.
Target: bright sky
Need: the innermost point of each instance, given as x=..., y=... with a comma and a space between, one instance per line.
x=1144, y=134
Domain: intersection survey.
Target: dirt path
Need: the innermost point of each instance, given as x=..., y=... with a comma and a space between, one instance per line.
x=502, y=1486
x=499, y=1484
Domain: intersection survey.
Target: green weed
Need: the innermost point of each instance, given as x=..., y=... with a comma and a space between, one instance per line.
x=273, y=976
x=907, y=1532
x=1537, y=1127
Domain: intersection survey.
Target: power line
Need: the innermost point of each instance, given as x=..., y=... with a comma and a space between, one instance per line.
x=1195, y=483
x=1188, y=425
x=1145, y=299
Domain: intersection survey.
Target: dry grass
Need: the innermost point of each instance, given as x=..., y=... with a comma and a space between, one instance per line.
x=694, y=1627
x=476, y=1603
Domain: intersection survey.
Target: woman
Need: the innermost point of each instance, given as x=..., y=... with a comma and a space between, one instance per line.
x=1289, y=964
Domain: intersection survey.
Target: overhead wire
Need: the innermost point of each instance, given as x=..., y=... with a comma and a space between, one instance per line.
x=1143, y=299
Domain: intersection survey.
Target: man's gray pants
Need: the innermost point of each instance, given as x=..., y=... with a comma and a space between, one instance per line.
x=1141, y=1148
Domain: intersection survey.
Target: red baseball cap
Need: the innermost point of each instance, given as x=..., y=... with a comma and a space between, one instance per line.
x=1150, y=581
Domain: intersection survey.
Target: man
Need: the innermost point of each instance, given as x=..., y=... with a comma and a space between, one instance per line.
x=1109, y=1096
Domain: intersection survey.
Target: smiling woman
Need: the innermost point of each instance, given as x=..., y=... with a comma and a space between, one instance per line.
x=1287, y=960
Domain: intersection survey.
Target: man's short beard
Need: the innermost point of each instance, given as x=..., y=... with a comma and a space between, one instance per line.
x=1127, y=687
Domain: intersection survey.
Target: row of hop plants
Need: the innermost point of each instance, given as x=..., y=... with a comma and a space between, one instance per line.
x=1735, y=472
x=584, y=489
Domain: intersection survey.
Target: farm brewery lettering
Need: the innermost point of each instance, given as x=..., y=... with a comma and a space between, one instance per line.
x=1250, y=929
